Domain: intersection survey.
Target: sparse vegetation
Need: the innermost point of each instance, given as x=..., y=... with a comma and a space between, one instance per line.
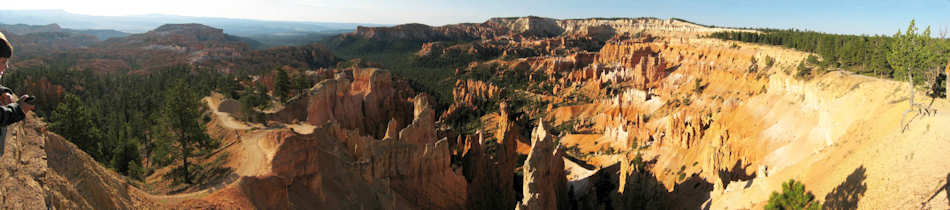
x=793, y=196
x=575, y=152
x=769, y=61
x=812, y=59
x=638, y=161
x=803, y=71
x=633, y=145
x=566, y=127
x=754, y=67
x=398, y=56
x=252, y=99
x=698, y=86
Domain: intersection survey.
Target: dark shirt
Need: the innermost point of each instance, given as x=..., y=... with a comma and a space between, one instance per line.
x=9, y=114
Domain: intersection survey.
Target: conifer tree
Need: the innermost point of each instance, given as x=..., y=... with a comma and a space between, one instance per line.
x=182, y=113
x=911, y=55
x=878, y=58
x=73, y=120
x=281, y=84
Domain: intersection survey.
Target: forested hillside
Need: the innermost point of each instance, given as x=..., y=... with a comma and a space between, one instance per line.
x=114, y=99
x=863, y=54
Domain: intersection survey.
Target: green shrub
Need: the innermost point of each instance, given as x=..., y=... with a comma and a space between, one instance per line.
x=812, y=59
x=769, y=61
x=793, y=196
x=803, y=71
x=754, y=67
x=638, y=162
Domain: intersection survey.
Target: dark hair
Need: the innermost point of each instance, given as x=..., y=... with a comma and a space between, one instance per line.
x=6, y=49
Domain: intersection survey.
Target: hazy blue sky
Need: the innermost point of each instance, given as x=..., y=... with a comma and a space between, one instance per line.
x=837, y=16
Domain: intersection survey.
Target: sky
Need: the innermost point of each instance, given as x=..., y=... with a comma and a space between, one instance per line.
x=833, y=16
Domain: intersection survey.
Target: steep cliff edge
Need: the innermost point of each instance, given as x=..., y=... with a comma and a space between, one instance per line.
x=684, y=120
x=841, y=135
x=742, y=128
x=363, y=99
x=42, y=170
x=327, y=151
x=655, y=117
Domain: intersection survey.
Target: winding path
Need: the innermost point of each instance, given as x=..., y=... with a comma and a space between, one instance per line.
x=252, y=161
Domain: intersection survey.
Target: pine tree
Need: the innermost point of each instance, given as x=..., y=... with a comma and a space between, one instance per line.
x=793, y=196
x=159, y=148
x=910, y=55
x=301, y=82
x=182, y=113
x=262, y=100
x=127, y=158
x=828, y=52
x=803, y=71
x=281, y=84
x=878, y=56
x=73, y=120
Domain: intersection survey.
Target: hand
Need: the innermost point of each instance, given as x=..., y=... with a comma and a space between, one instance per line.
x=6, y=98
x=26, y=107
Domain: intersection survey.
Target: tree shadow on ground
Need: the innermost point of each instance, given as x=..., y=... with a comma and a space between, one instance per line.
x=848, y=193
x=736, y=173
x=213, y=176
x=945, y=188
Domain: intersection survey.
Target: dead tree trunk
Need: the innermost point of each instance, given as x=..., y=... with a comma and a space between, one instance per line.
x=913, y=105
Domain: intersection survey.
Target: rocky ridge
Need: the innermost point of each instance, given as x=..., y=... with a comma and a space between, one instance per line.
x=42, y=170
x=545, y=185
x=529, y=27
x=656, y=118
x=344, y=162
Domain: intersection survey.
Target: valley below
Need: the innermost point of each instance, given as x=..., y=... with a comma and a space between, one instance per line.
x=511, y=113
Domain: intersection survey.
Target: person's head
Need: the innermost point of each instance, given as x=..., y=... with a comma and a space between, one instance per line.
x=6, y=51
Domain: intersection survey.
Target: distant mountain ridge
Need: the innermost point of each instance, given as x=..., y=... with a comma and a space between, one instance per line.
x=23, y=29
x=529, y=26
x=165, y=46
x=188, y=37
x=412, y=35
x=143, y=23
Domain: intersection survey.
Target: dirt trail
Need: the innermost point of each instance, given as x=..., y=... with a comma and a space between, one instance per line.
x=255, y=161
x=214, y=102
x=251, y=158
